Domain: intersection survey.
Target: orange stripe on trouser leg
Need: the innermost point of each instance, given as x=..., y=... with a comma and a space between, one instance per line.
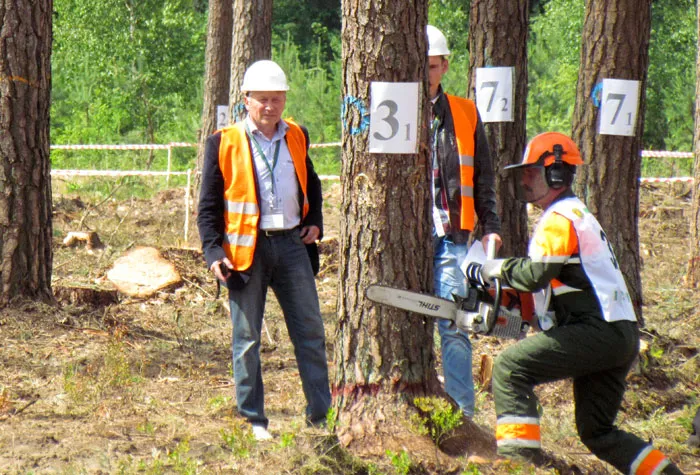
x=650, y=463
x=505, y=432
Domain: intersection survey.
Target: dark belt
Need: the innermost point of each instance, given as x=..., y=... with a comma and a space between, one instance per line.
x=279, y=232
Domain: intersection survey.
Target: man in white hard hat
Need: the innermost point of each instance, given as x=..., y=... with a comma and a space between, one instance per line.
x=259, y=220
x=463, y=190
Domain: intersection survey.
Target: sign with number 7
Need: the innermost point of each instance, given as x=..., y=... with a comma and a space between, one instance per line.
x=494, y=93
x=618, y=107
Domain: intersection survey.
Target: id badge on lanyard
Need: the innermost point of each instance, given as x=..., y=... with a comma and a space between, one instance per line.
x=274, y=219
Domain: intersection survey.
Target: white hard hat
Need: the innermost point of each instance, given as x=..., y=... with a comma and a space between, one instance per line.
x=264, y=75
x=437, y=43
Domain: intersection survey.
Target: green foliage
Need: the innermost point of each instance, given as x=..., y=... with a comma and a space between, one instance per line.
x=401, y=461
x=217, y=402
x=288, y=439
x=332, y=419
x=312, y=25
x=132, y=72
x=181, y=462
x=452, y=18
x=126, y=72
x=671, y=78
x=471, y=469
x=553, y=63
x=314, y=101
x=240, y=440
x=117, y=369
x=442, y=418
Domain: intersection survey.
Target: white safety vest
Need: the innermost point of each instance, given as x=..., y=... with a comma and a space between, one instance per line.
x=598, y=262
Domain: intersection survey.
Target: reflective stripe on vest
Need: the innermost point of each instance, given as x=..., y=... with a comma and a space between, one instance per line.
x=649, y=462
x=558, y=288
x=242, y=214
x=464, y=118
x=514, y=431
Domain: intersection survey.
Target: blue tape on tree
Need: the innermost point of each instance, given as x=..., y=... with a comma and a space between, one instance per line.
x=239, y=110
x=596, y=93
x=351, y=101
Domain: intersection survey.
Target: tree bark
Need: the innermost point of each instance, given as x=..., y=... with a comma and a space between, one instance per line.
x=217, y=73
x=25, y=175
x=498, y=32
x=383, y=355
x=615, y=44
x=692, y=277
x=252, y=41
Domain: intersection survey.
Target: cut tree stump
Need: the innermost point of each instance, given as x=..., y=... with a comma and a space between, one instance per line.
x=85, y=296
x=89, y=238
x=142, y=272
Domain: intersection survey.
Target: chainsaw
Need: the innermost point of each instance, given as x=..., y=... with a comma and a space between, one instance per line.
x=476, y=313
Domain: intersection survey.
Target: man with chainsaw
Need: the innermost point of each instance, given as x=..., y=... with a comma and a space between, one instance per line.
x=462, y=189
x=260, y=215
x=590, y=328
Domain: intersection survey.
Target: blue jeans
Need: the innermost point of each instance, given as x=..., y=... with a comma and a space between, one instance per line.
x=449, y=280
x=282, y=263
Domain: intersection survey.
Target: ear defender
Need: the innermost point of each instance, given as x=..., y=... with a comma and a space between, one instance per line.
x=558, y=175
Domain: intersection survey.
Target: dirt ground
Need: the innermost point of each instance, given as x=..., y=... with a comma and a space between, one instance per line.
x=103, y=383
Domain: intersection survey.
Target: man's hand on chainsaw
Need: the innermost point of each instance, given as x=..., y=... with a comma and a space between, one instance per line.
x=485, y=273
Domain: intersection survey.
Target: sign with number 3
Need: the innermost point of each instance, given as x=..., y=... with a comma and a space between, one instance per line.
x=393, y=117
x=618, y=107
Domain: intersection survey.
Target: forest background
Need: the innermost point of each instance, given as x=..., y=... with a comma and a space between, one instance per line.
x=132, y=72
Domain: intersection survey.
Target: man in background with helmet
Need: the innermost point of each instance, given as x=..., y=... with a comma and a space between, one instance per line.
x=590, y=329
x=462, y=189
x=259, y=210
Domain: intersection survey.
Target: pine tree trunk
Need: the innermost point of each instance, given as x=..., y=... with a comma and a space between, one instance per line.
x=217, y=71
x=615, y=45
x=383, y=356
x=252, y=41
x=25, y=177
x=693, y=276
x=498, y=32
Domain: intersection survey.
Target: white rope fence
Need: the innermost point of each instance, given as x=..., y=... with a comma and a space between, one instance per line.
x=119, y=173
x=170, y=146
x=665, y=154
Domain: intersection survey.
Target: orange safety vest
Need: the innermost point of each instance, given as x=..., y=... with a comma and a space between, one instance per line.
x=241, y=211
x=465, y=120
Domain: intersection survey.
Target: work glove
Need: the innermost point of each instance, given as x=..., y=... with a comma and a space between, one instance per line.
x=486, y=272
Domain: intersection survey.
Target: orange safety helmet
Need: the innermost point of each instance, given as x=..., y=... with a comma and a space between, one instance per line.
x=542, y=151
x=556, y=155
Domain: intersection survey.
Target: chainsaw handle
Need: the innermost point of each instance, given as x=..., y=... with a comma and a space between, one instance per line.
x=491, y=254
x=496, y=304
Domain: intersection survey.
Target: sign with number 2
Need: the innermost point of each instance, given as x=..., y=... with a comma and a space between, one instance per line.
x=394, y=117
x=494, y=93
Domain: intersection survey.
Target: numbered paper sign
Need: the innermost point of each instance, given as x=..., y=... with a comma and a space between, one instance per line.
x=221, y=116
x=619, y=102
x=494, y=94
x=393, y=117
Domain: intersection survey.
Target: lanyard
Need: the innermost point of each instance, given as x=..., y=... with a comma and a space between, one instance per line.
x=264, y=157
